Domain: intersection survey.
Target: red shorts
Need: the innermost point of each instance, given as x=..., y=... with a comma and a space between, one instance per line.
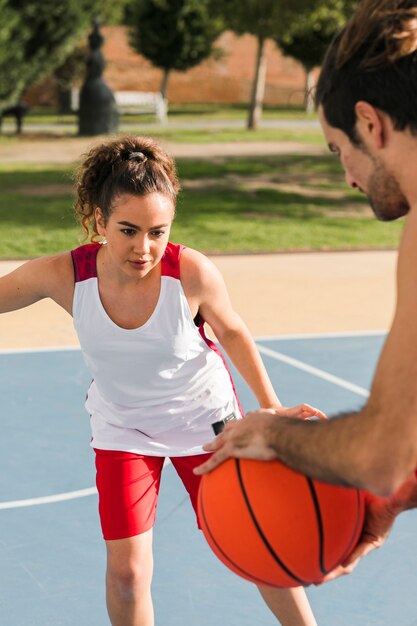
x=128, y=487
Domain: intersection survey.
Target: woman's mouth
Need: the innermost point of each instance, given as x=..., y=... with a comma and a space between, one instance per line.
x=139, y=263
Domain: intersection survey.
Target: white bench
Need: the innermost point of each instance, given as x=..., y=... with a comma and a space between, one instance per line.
x=133, y=102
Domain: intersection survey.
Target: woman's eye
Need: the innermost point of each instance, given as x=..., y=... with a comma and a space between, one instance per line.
x=157, y=233
x=128, y=231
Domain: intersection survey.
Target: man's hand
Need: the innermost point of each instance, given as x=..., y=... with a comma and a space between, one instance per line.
x=246, y=438
x=251, y=438
x=380, y=514
x=379, y=518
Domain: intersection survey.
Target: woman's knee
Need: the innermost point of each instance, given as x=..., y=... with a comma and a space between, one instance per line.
x=130, y=565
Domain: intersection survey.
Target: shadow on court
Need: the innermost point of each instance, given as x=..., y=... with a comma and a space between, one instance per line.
x=52, y=554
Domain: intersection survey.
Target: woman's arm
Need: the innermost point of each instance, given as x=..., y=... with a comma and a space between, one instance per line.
x=207, y=293
x=46, y=277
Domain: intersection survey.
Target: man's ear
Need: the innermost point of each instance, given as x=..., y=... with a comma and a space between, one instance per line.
x=370, y=123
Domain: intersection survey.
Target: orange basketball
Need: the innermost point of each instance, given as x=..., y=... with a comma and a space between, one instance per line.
x=276, y=527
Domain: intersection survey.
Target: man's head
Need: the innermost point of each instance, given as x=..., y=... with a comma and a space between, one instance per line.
x=374, y=59
x=367, y=91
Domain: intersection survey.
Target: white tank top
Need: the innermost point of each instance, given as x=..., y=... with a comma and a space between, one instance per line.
x=158, y=388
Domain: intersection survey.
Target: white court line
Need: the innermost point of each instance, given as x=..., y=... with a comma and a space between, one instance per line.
x=335, y=380
x=39, y=349
x=59, y=497
x=329, y=335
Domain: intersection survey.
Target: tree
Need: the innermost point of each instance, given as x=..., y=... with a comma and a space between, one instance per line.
x=308, y=37
x=265, y=19
x=173, y=34
x=36, y=37
x=71, y=71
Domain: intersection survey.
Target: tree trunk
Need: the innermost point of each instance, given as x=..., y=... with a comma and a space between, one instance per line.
x=258, y=90
x=164, y=83
x=309, y=91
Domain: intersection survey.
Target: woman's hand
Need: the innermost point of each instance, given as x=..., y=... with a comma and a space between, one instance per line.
x=301, y=411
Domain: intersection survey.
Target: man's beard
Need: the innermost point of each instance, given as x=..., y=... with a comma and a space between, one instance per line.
x=385, y=196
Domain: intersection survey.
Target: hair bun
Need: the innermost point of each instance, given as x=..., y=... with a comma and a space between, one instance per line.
x=137, y=156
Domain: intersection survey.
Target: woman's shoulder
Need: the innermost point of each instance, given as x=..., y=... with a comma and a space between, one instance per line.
x=54, y=265
x=197, y=270
x=193, y=260
x=50, y=276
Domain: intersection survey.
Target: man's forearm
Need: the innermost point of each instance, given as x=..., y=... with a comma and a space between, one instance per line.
x=361, y=450
x=345, y=450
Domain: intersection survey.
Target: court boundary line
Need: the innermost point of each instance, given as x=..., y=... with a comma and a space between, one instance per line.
x=39, y=349
x=295, y=336
x=58, y=497
x=329, y=335
x=315, y=371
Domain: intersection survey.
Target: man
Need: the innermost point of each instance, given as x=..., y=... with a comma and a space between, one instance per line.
x=367, y=102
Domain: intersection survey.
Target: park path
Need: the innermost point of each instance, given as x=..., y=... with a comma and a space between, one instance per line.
x=69, y=149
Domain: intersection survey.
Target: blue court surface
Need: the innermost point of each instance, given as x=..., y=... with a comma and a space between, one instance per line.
x=51, y=552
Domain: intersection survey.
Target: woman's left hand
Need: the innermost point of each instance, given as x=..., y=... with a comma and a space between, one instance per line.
x=301, y=411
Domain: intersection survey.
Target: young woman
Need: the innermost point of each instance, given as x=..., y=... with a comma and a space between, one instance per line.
x=139, y=305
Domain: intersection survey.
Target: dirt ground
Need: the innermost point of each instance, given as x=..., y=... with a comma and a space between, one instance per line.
x=34, y=149
x=276, y=294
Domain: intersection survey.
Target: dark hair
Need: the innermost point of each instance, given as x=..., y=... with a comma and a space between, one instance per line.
x=131, y=165
x=373, y=59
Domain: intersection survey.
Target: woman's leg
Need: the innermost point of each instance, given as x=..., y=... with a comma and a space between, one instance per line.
x=128, y=486
x=128, y=581
x=290, y=606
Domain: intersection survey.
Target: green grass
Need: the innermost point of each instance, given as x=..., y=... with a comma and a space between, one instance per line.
x=227, y=205
x=189, y=135
x=229, y=135
x=277, y=166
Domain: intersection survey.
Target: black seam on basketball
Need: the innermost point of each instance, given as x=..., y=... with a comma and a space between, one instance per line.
x=260, y=531
x=319, y=524
x=227, y=558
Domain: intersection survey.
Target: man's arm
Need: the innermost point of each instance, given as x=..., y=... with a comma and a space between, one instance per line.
x=376, y=448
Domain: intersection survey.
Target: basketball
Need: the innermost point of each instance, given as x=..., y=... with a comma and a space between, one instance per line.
x=276, y=527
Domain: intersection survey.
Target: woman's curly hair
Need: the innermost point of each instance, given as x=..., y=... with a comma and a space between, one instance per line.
x=128, y=165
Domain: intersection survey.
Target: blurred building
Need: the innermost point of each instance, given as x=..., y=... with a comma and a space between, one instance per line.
x=224, y=80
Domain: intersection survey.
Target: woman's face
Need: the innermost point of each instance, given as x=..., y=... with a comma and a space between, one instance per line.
x=137, y=232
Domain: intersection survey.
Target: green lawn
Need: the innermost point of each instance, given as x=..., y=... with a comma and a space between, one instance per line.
x=188, y=135
x=258, y=204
